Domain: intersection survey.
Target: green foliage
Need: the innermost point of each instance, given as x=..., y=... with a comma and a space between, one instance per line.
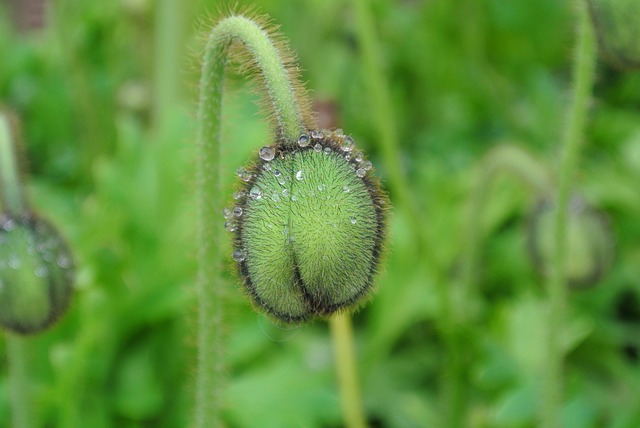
x=464, y=76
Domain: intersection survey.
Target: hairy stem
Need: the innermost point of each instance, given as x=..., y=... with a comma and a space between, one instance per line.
x=583, y=75
x=287, y=112
x=342, y=334
x=12, y=201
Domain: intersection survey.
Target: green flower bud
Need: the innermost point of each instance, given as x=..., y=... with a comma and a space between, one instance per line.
x=309, y=226
x=36, y=274
x=590, y=242
x=617, y=24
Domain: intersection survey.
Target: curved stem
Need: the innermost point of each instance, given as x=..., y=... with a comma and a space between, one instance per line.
x=501, y=159
x=12, y=201
x=289, y=116
x=583, y=75
x=342, y=334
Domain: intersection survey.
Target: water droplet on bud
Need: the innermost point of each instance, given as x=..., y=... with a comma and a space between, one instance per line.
x=243, y=174
x=347, y=144
x=239, y=255
x=255, y=192
x=303, y=141
x=267, y=153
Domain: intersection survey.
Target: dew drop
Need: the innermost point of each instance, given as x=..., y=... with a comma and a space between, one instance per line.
x=227, y=212
x=267, y=153
x=285, y=193
x=237, y=211
x=346, y=189
x=239, y=194
x=361, y=172
x=316, y=135
x=338, y=132
x=347, y=144
x=303, y=140
x=266, y=167
x=300, y=175
x=275, y=197
x=244, y=174
x=255, y=193
x=327, y=150
x=358, y=156
x=230, y=225
x=317, y=147
x=281, y=180
x=277, y=173
x=294, y=198
x=353, y=220
x=41, y=271
x=239, y=255
x=366, y=165
x=347, y=157
x=321, y=187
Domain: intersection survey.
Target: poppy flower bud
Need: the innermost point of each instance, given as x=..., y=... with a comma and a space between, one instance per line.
x=309, y=226
x=36, y=274
x=589, y=245
x=617, y=24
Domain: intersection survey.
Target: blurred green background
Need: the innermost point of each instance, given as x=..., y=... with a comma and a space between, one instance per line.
x=107, y=93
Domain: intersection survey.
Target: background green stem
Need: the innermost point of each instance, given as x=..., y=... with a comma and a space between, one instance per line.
x=22, y=408
x=169, y=35
x=384, y=121
x=288, y=115
x=583, y=75
x=342, y=334
x=502, y=159
x=12, y=201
